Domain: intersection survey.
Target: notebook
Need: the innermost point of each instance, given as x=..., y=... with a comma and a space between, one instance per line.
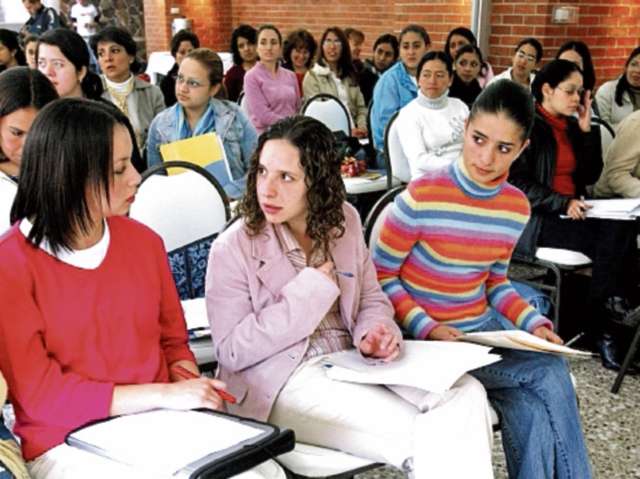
x=197, y=444
x=201, y=150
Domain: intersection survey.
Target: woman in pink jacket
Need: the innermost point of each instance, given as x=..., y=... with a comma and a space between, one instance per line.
x=292, y=282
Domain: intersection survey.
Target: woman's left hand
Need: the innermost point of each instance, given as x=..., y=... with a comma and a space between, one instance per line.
x=545, y=333
x=359, y=132
x=381, y=343
x=584, y=112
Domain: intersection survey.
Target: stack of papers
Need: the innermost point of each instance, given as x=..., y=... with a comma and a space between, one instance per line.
x=195, y=313
x=518, y=339
x=615, y=209
x=427, y=365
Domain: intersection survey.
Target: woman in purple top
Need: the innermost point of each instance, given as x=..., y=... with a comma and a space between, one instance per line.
x=271, y=92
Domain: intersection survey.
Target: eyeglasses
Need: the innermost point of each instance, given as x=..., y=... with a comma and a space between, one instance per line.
x=191, y=83
x=336, y=43
x=530, y=58
x=572, y=91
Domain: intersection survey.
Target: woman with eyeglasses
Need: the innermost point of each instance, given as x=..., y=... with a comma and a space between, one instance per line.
x=553, y=171
x=202, y=108
x=271, y=92
x=526, y=56
x=334, y=74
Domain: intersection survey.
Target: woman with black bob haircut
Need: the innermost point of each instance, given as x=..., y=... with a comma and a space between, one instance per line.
x=563, y=158
x=442, y=258
x=335, y=74
x=72, y=354
x=618, y=98
x=459, y=37
x=243, y=49
x=11, y=55
x=181, y=44
x=116, y=50
x=299, y=53
x=62, y=55
x=292, y=281
x=23, y=93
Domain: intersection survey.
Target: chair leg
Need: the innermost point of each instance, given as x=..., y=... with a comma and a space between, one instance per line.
x=626, y=362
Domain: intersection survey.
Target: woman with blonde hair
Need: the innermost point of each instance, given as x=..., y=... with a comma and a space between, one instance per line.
x=202, y=108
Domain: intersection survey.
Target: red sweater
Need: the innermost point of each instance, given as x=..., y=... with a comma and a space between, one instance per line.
x=69, y=335
x=565, y=160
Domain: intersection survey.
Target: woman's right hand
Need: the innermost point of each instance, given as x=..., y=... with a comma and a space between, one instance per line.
x=193, y=393
x=327, y=268
x=577, y=208
x=444, y=333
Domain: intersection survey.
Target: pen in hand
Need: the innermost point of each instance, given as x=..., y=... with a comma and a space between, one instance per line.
x=582, y=208
x=343, y=273
x=186, y=374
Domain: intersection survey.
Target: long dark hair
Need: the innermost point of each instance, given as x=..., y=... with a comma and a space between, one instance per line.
x=345, y=65
x=68, y=152
x=588, y=72
x=10, y=40
x=553, y=73
x=623, y=83
x=74, y=48
x=24, y=87
x=244, y=31
x=510, y=99
x=320, y=161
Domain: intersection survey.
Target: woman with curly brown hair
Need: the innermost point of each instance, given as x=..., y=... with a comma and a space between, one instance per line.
x=292, y=282
x=298, y=53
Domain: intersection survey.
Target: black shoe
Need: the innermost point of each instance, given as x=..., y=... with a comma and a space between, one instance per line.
x=618, y=310
x=610, y=356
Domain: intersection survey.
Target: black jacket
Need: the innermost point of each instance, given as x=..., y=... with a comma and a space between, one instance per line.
x=534, y=170
x=168, y=86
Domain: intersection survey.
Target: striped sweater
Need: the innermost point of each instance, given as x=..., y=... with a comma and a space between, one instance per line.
x=444, y=250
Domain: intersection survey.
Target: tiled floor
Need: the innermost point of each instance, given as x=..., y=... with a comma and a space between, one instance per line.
x=611, y=424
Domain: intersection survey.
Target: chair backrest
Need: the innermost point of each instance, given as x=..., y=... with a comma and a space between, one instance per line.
x=330, y=111
x=607, y=134
x=244, y=106
x=187, y=210
x=396, y=162
x=375, y=218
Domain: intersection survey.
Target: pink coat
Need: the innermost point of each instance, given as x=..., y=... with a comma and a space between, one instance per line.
x=262, y=313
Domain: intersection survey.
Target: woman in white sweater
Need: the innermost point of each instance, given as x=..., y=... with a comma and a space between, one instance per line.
x=431, y=126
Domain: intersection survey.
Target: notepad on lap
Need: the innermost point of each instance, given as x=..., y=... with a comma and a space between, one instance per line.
x=201, y=150
x=184, y=444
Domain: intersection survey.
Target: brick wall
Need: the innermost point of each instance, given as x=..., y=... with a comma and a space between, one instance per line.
x=611, y=28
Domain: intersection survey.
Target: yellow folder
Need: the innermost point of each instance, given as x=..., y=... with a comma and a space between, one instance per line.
x=201, y=150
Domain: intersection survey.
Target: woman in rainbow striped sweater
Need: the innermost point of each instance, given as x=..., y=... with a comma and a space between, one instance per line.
x=442, y=259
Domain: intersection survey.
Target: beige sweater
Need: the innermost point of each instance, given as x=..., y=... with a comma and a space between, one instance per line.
x=621, y=173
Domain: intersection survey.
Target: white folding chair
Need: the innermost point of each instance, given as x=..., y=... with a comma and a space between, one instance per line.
x=397, y=163
x=607, y=134
x=329, y=110
x=244, y=106
x=187, y=210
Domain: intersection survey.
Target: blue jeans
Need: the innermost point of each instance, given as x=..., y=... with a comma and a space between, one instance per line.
x=536, y=403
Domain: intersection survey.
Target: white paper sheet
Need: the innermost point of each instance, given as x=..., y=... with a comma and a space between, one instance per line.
x=163, y=440
x=518, y=339
x=428, y=365
x=195, y=313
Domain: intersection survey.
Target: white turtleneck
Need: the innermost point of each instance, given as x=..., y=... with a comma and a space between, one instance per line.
x=431, y=132
x=132, y=101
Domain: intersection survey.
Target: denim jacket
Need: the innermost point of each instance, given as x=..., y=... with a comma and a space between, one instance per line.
x=394, y=89
x=234, y=129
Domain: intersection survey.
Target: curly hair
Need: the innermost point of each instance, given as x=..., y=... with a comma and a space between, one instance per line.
x=245, y=31
x=320, y=161
x=299, y=39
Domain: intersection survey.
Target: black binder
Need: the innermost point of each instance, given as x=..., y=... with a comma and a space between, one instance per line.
x=269, y=442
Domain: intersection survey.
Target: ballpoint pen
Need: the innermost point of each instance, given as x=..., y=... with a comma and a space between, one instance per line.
x=184, y=373
x=343, y=273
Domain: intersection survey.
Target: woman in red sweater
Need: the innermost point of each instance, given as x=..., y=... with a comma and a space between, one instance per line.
x=91, y=321
x=563, y=158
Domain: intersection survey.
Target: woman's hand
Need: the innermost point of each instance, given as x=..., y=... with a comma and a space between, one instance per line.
x=545, y=333
x=193, y=393
x=327, y=268
x=577, y=209
x=380, y=342
x=444, y=333
x=584, y=112
x=359, y=132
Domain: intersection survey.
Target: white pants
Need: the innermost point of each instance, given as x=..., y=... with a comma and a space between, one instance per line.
x=454, y=438
x=66, y=462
